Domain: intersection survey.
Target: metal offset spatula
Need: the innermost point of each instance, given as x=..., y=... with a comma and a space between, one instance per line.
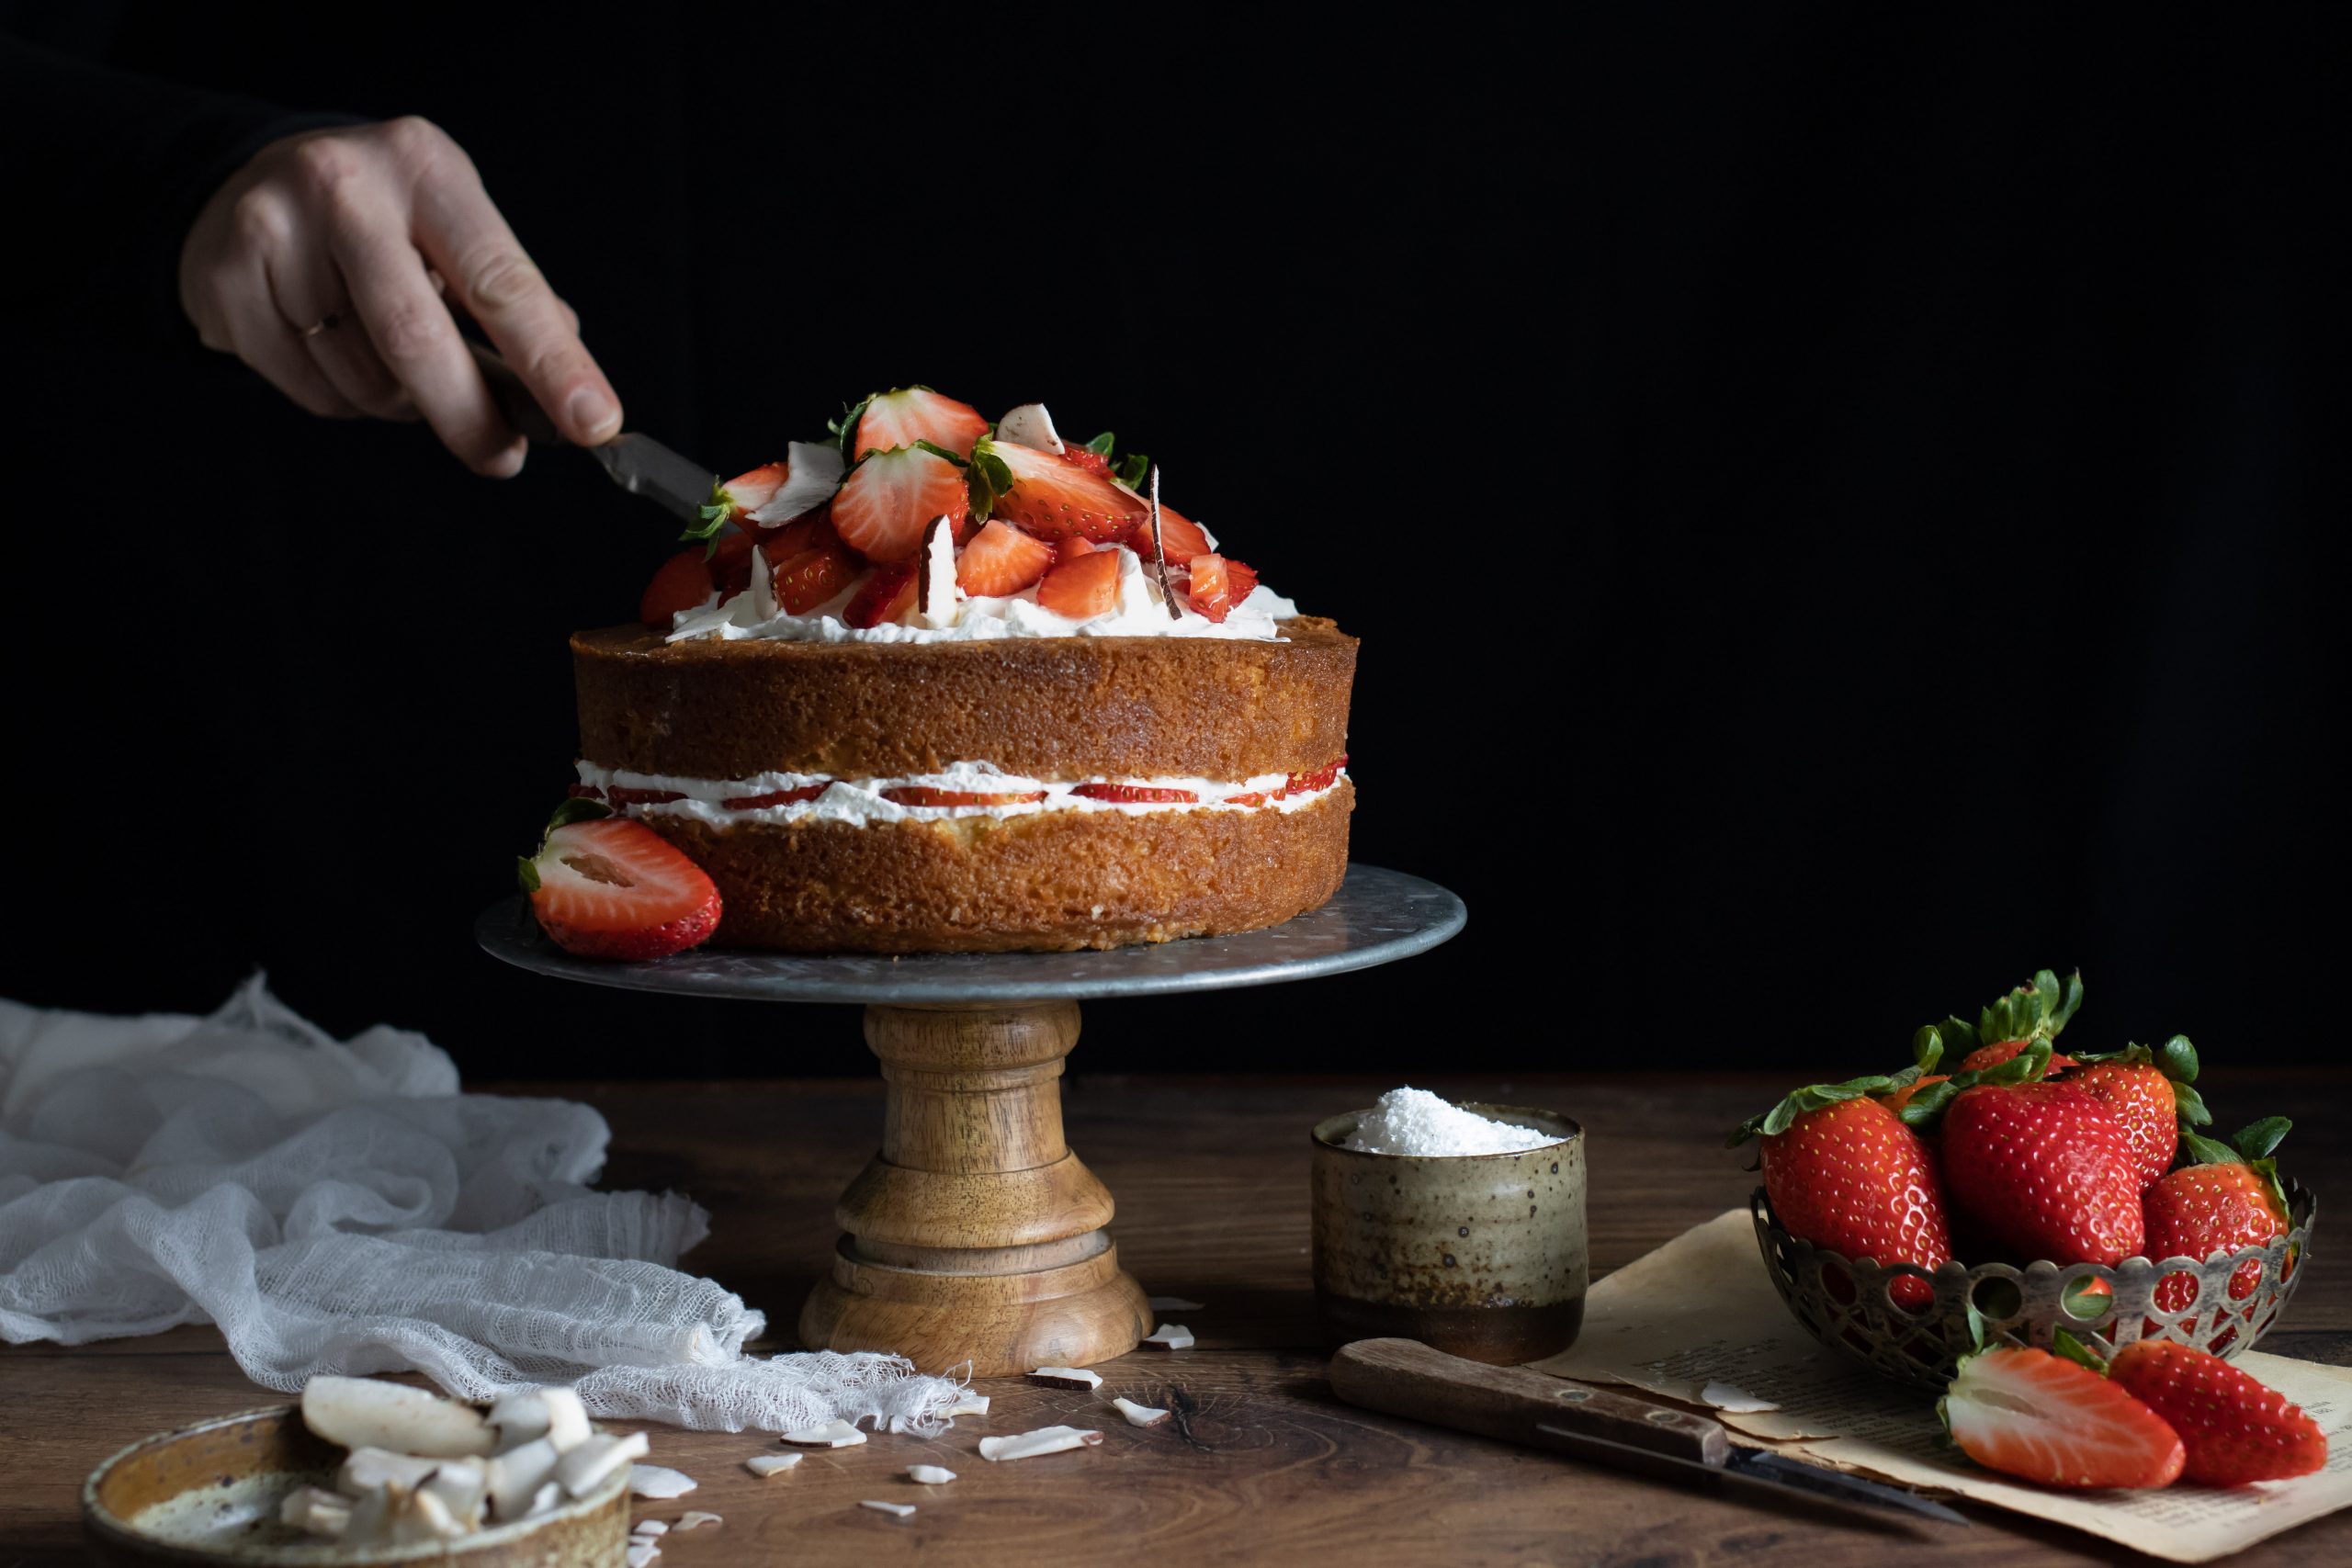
x=638, y=464
x=1404, y=1377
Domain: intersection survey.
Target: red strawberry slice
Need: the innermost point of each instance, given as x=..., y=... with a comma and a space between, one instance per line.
x=776, y=797
x=807, y=565
x=1257, y=798
x=1083, y=588
x=614, y=888
x=731, y=563
x=921, y=794
x=1093, y=462
x=1000, y=559
x=888, y=595
x=1135, y=794
x=1073, y=547
x=888, y=499
x=1218, y=584
x=621, y=795
x=917, y=413
x=682, y=582
x=746, y=492
x=1180, y=536
x=2237, y=1429
x=2040, y=1417
x=1307, y=784
x=1056, y=499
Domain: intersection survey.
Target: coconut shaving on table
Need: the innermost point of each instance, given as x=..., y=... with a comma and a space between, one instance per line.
x=338, y=1206
x=1415, y=1122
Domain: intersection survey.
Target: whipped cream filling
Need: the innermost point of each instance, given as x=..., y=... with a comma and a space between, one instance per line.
x=1141, y=611
x=860, y=801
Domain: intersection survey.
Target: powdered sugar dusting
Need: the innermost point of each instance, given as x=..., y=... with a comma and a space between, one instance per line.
x=1415, y=1122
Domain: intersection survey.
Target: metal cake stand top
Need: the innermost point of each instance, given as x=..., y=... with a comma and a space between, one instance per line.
x=1377, y=917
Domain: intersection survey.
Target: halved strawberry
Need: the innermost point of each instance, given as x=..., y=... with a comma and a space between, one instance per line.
x=888, y=499
x=746, y=492
x=922, y=794
x=910, y=415
x=1073, y=547
x=1085, y=457
x=1053, y=498
x=1218, y=585
x=1308, y=783
x=888, y=595
x=776, y=797
x=682, y=582
x=1134, y=795
x=807, y=568
x=731, y=563
x=1000, y=559
x=2030, y=1413
x=1083, y=588
x=1180, y=536
x=610, y=887
x=2235, y=1428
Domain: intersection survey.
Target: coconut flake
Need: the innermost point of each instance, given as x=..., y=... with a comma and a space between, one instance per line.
x=520, y=1418
x=642, y=1553
x=659, y=1481
x=568, y=1425
x=1030, y=425
x=372, y=1469
x=361, y=1413
x=1160, y=553
x=649, y=1527
x=695, y=1519
x=969, y=1403
x=1139, y=1414
x=582, y=1468
x=1044, y=1440
x=935, y=576
x=1174, y=1303
x=1170, y=1336
x=765, y=1465
x=1067, y=1377
x=516, y=1475
x=461, y=1487
x=811, y=474
x=545, y=1499
x=930, y=1474
x=1738, y=1400
x=834, y=1434
x=896, y=1510
x=315, y=1511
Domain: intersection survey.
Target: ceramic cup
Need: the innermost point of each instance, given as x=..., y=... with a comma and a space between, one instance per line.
x=1480, y=1255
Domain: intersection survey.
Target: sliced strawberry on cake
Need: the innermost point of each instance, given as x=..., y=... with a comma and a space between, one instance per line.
x=1000, y=559
x=732, y=501
x=883, y=508
x=913, y=415
x=604, y=886
x=806, y=569
x=1218, y=584
x=1081, y=587
x=886, y=596
x=1052, y=497
x=682, y=583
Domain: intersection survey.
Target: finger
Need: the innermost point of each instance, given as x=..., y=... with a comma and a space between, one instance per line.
x=313, y=299
x=259, y=336
x=412, y=333
x=463, y=235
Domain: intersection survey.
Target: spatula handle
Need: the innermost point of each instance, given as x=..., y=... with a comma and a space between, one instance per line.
x=1404, y=1377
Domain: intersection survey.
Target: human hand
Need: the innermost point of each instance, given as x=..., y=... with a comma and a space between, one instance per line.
x=322, y=261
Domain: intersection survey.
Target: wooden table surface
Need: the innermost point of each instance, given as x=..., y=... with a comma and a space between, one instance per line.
x=1211, y=1179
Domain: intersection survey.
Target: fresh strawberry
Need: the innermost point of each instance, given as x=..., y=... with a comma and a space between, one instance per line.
x=1093, y=462
x=1986, y=1057
x=731, y=563
x=806, y=567
x=1134, y=795
x=2041, y=1417
x=776, y=797
x=1181, y=538
x=888, y=595
x=1308, y=783
x=922, y=794
x=1000, y=559
x=2235, y=1430
x=1083, y=588
x=746, y=492
x=1052, y=498
x=1846, y=1174
x=1212, y=590
x=683, y=584
x=2139, y=1099
x=2045, y=1168
x=888, y=499
x=1073, y=547
x=605, y=887
x=910, y=414
x=2229, y=1198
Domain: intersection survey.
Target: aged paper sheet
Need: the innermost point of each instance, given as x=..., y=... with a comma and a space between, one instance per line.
x=1699, y=1321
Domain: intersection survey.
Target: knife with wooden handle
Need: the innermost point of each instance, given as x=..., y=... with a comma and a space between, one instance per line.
x=638, y=464
x=1404, y=1377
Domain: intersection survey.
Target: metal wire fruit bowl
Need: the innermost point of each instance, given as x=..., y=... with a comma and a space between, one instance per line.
x=1844, y=1302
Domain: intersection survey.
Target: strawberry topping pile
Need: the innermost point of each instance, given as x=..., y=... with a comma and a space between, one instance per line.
x=1029, y=515
x=2020, y=1156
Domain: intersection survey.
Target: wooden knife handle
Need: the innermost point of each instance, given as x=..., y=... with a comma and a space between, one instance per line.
x=1404, y=1377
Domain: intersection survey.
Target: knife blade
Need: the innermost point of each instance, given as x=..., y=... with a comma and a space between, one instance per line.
x=1403, y=1377
x=636, y=462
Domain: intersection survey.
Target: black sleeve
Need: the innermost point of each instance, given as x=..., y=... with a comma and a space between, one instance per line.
x=104, y=172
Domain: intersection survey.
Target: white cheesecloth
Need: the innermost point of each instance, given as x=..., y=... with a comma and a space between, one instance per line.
x=341, y=1207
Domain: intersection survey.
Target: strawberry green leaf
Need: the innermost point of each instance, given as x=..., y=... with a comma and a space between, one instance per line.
x=921, y=445
x=1102, y=445
x=2190, y=1106
x=2177, y=1057
x=986, y=480
x=526, y=872
x=2258, y=1140
x=1927, y=1047
x=2067, y=1348
x=713, y=514
x=2205, y=1151
x=2087, y=1298
x=577, y=808
x=1813, y=1097
x=1975, y=1326
x=1131, y=469
x=1927, y=1107
x=844, y=430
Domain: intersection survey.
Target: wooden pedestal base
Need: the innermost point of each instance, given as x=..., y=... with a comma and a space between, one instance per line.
x=976, y=1235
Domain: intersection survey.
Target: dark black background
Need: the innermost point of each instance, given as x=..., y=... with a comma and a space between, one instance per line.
x=1837, y=517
